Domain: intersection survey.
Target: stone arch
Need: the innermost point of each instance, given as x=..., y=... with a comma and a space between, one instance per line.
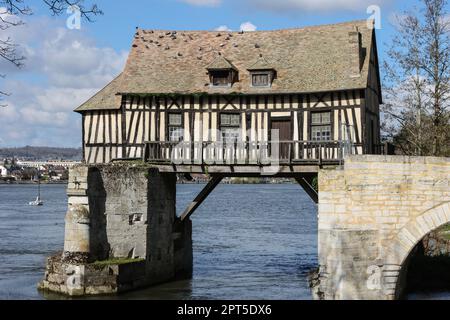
x=407, y=239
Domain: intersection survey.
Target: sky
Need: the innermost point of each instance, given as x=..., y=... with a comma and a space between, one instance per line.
x=66, y=66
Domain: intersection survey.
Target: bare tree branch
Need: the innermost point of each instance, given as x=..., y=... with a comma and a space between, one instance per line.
x=417, y=81
x=10, y=16
x=2, y=94
x=8, y=51
x=58, y=7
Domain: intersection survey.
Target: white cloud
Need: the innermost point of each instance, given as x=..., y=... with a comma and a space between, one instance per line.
x=35, y=113
x=290, y=6
x=315, y=5
x=247, y=26
x=222, y=28
x=207, y=3
x=63, y=69
x=67, y=58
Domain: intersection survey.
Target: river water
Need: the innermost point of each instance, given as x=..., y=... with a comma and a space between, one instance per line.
x=250, y=242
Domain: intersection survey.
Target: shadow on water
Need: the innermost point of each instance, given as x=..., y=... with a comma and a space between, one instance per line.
x=250, y=242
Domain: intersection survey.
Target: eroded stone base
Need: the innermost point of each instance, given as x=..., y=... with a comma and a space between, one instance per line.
x=93, y=279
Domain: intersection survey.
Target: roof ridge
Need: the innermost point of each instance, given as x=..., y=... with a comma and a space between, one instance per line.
x=359, y=21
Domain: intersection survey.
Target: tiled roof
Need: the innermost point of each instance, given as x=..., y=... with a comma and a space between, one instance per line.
x=220, y=63
x=261, y=64
x=105, y=99
x=311, y=59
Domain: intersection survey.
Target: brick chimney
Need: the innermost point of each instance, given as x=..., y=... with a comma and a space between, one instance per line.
x=355, y=53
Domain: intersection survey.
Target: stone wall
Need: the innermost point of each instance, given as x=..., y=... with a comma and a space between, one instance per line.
x=121, y=212
x=372, y=214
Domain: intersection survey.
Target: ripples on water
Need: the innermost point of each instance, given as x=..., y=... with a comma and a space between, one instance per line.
x=27, y=236
x=250, y=242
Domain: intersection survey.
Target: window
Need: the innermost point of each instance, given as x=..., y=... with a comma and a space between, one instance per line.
x=261, y=79
x=321, y=126
x=230, y=120
x=175, y=127
x=230, y=126
x=221, y=78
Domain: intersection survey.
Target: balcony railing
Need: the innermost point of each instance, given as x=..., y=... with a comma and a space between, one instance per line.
x=247, y=153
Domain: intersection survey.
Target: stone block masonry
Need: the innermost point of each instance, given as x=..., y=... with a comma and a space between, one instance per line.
x=372, y=214
x=121, y=232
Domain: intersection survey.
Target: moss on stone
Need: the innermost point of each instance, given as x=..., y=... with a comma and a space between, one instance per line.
x=444, y=232
x=315, y=184
x=115, y=261
x=445, y=228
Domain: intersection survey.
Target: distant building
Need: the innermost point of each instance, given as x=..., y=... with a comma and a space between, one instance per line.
x=4, y=172
x=42, y=164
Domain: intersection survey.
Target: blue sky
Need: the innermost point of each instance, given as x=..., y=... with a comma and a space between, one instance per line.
x=65, y=67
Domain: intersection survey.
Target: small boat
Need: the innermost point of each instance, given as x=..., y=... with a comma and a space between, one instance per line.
x=38, y=201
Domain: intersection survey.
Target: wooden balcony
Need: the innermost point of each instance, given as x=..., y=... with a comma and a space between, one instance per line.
x=184, y=156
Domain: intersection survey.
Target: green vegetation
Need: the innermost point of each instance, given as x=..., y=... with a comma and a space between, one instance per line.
x=115, y=261
x=445, y=228
x=315, y=184
x=134, y=164
x=444, y=232
x=445, y=236
x=179, y=95
x=169, y=95
x=246, y=180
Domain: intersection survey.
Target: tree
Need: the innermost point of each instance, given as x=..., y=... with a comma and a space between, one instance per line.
x=11, y=12
x=417, y=81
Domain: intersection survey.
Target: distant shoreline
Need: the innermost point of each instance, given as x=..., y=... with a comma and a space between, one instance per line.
x=33, y=183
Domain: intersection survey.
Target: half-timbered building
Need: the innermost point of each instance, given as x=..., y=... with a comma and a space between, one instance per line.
x=318, y=86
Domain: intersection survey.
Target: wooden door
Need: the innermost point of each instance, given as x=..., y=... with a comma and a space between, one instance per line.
x=285, y=135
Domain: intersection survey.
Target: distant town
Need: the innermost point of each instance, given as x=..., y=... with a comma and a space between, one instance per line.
x=20, y=170
x=30, y=164
x=51, y=165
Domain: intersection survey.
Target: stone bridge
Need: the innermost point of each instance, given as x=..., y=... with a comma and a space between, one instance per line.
x=122, y=231
x=372, y=214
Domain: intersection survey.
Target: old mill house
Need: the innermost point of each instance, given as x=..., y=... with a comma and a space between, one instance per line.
x=319, y=86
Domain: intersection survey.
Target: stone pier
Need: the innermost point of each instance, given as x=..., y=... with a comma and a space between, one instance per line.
x=372, y=214
x=121, y=232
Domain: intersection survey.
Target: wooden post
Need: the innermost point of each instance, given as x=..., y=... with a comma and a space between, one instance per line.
x=201, y=197
x=308, y=188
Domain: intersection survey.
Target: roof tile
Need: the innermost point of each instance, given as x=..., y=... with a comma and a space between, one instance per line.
x=311, y=59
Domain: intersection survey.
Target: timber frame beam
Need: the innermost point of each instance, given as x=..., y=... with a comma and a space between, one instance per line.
x=201, y=197
x=306, y=184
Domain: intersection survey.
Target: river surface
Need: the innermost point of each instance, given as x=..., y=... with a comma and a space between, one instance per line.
x=250, y=242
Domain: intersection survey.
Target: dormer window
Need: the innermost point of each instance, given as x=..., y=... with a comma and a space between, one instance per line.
x=222, y=73
x=262, y=73
x=220, y=78
x=261, y=79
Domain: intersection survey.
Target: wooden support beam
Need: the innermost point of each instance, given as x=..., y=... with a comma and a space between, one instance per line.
x=308, y=188
x=201, y=197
